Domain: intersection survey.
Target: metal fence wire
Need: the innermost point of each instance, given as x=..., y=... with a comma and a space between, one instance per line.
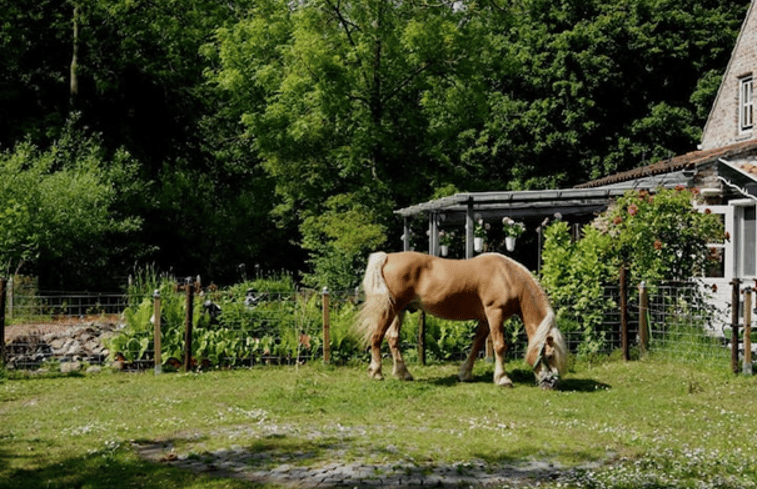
x=276, y=328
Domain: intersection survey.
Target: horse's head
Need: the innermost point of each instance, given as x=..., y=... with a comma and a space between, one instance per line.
x=546, y=365
x=547, y=353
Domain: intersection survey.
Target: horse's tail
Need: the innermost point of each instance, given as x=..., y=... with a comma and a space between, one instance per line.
x=548, y=332
x=378, y=299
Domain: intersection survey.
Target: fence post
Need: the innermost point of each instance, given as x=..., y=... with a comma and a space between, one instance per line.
x=422, y=337
x=326, y=327
x=747, y=367
x=3, y=283
x=624, y=313
x=156, y=315
x=643, y=318
x=9, y=292
x=188, y=326
x=735, y=283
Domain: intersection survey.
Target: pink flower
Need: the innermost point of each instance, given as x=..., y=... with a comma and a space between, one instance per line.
x=633, y=209
x=658, y=245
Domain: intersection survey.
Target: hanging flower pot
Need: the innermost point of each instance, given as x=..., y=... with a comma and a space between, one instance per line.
x=510, y=243
x=478, y=244
x=444, y=249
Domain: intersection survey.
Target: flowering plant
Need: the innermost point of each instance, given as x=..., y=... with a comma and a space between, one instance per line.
x=445, y=238
x=481, y=228
x=512, y=229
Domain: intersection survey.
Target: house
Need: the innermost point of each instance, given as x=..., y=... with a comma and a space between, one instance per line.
x=724, y=168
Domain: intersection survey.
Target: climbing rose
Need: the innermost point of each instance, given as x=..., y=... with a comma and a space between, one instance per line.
x=658, y=245
x=633, y=209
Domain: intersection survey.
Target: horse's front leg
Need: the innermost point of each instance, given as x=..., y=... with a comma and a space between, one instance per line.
x=393, y=338
x=466, y=369
x=497, y=330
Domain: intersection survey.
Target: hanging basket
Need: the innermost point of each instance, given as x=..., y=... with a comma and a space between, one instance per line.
x=478, y=244
x=510, y=243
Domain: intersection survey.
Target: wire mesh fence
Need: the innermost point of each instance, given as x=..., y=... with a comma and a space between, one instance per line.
x=261, y=327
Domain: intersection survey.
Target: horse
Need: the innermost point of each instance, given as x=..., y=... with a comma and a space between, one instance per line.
x=489, y=288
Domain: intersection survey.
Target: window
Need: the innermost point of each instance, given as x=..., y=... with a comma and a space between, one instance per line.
x=746, y=120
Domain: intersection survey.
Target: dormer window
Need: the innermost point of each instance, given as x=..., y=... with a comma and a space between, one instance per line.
x=746, y=118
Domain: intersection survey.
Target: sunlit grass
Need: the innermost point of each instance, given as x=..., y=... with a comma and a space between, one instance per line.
x=652, y=415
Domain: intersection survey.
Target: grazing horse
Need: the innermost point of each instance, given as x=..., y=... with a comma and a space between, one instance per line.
x=488, y=288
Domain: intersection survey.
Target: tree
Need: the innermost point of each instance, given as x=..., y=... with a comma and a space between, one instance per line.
x=60, y=211
x=333, y=98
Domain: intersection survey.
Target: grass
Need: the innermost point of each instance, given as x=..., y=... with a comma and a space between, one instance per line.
x=649, y=423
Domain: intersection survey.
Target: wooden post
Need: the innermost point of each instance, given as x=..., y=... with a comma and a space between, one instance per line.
x=643, y=318
x=3, y=283
x=326, y=327
x=188, y=326
x=735, y=283
x=747, y=366
x=422, y=337
x=156, y=339
x=624, y=313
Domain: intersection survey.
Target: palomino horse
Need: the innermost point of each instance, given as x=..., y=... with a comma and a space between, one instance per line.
x=488, y=288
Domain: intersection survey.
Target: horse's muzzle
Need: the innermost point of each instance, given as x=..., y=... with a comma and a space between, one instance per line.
x=549, y=382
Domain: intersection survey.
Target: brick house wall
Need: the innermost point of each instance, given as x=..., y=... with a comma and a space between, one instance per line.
x=722, y=127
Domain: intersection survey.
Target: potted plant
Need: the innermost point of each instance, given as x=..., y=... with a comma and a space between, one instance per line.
x=512, y=230
x=445, y=240
x=479, y=234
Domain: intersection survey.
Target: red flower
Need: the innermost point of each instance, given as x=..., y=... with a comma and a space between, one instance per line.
x=708, y=211
x=658, y=245
x=617, y=220
x=680, y=188
x=633, y=209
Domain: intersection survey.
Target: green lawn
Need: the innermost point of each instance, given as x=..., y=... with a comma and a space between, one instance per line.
x=650, y=423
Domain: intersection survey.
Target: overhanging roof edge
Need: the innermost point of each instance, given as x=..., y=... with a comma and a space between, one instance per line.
x=479, y=200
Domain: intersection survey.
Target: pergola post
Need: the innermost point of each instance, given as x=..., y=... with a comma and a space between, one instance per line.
x=405, y=235
x=433, y=234
x=469, y=231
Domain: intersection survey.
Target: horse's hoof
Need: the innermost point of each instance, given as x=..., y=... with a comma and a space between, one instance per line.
x=505, y=382
x=376, y=375
x=406, y=376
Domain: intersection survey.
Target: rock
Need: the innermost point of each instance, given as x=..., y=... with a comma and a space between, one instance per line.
x=72, y=346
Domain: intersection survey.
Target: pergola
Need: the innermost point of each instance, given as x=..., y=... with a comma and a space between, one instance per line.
x=578, y=204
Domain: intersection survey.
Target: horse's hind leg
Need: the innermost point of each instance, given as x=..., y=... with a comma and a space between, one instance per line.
x=466, y=369
x=393, y=338
x=374, y=369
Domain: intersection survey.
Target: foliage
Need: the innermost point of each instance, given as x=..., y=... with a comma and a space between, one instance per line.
x=61, y=211
x=574, y=274
x=261, y=321
x=660, y=236
x=341, y=236
x=511, y=228
x=480, y=227
x=244, y=118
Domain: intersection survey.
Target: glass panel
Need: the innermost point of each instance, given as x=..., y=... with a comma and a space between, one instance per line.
x=715, y=267
x=749, y=243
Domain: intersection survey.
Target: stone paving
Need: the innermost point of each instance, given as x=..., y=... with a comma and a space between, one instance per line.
x=298, y=469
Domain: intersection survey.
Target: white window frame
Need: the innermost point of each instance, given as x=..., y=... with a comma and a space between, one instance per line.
x=746, y=104
x=725, y=247
x=741, y=241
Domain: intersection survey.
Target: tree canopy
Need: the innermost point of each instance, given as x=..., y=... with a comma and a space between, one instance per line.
x=284, y=133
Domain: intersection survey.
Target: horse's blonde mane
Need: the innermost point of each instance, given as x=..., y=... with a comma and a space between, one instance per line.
x=378, y=299
x=545, y=330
